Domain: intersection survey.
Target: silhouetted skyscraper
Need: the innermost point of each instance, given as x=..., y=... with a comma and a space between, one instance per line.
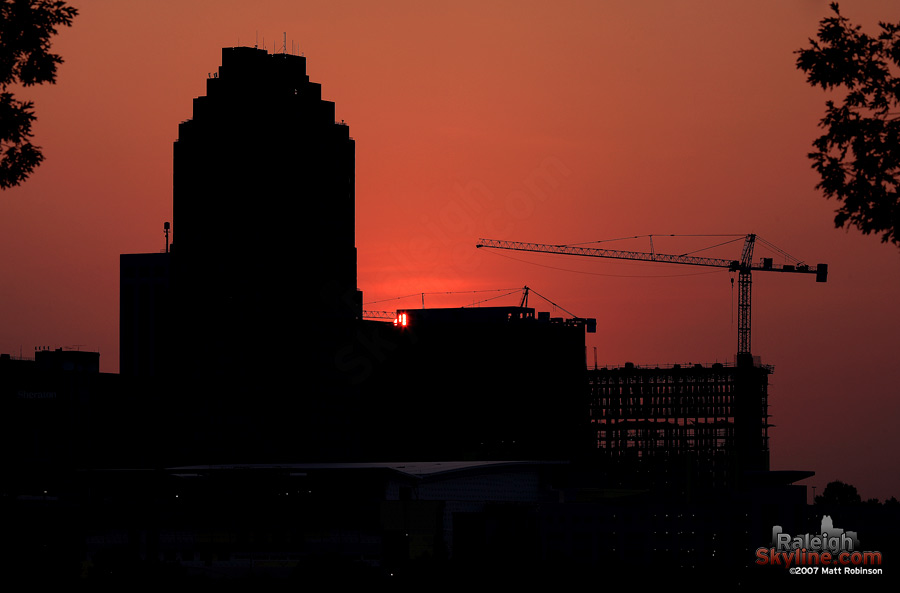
x=264, y=214
x=261, y=352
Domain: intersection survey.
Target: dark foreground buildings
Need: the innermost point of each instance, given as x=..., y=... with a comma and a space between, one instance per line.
x=261, y=428
x=250, y=327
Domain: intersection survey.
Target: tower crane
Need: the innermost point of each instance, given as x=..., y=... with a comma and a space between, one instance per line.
x=743, y=267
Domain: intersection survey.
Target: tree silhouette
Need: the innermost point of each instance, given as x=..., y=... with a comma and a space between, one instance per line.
x=26, y=27
x=858, y=157
x=839, y=493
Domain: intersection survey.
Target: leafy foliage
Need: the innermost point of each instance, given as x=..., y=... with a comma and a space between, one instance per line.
x=26, y=27
x=858, y=157
x=839, y=493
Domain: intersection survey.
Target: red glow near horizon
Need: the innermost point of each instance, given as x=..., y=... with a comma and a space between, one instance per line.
x=523, y=121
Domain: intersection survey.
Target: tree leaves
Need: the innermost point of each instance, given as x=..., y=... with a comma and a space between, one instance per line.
x=839, y=493
x=26, y=27
x=858, y=156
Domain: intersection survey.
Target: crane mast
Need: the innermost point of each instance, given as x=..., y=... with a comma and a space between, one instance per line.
x=744, y=284
x=744, y=267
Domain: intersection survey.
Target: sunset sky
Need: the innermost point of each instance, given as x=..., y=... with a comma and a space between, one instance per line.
x=633, y=118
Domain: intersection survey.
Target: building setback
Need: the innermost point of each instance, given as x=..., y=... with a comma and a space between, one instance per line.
x=264, y=216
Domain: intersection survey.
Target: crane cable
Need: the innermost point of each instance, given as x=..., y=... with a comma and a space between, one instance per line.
x=606, y=275
x=408, y=296
x=732, y=300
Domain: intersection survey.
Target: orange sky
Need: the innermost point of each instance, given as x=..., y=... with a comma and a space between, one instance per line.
x=650, y=117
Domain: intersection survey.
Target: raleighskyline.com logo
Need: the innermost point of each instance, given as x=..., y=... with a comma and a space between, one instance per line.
x=834, y=550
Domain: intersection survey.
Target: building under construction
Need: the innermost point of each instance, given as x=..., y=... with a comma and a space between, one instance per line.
x=683, y=425
x=704, y=424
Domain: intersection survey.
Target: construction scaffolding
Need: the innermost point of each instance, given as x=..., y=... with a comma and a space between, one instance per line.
x=710, y=419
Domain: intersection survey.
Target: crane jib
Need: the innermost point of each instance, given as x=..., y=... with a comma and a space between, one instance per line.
x=744, y=267
x=820, y=270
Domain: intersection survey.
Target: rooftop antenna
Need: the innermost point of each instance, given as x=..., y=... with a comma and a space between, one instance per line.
x=284, y=43
x=166, y=231
x=256, y=45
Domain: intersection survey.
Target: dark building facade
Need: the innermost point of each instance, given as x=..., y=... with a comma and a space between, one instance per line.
x=264, y=215
x=145, y=311
x=488, y=383
x=58, y=411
